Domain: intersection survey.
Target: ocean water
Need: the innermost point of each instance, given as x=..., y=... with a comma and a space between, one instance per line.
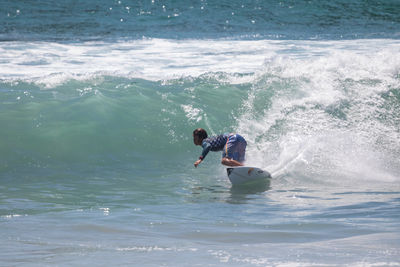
x=98, y=101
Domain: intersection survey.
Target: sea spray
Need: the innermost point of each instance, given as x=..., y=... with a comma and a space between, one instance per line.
x=332, y=115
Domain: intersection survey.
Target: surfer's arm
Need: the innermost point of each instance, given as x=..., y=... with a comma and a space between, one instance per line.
x=206, y=148
x=231, y=162
x=197, y=162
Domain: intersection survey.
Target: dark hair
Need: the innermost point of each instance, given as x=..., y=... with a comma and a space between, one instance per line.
x=201, y=133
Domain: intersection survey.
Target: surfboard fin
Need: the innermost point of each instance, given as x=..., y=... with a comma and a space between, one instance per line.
x=229, y=170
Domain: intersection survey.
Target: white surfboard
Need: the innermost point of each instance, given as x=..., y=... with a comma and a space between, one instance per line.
x=245, y=174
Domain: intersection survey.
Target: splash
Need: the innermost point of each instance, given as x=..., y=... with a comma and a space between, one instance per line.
x=330, y=116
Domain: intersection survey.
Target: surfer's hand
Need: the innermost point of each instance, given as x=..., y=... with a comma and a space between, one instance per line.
x=197, y=162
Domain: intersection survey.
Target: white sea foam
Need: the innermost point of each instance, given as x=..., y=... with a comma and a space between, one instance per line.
x=193, y=114
x=52, y=63
x=152, y=59
x=329, y=112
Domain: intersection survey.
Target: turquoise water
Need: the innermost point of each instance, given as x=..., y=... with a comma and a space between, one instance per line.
x=98, y=101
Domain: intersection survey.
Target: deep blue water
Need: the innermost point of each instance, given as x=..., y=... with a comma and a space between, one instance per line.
x=247, y=19
x=98, y=101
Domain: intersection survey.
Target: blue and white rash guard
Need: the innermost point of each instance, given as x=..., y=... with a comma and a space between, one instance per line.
x=232, y=145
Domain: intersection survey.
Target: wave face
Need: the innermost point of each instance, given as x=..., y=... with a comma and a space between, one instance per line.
x=316, y=108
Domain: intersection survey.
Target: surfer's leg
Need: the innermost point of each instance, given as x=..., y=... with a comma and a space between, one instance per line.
x=240, y=148
x=234, y=151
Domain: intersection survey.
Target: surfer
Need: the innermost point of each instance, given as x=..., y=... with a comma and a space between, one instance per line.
x=233, y=147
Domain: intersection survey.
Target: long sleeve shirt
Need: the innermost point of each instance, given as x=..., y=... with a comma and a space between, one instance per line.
x=214, y=143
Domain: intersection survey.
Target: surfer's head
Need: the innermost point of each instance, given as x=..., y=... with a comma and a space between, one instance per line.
x=198, y=136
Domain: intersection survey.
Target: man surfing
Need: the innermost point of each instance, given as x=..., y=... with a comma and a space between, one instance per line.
x=233, y=147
